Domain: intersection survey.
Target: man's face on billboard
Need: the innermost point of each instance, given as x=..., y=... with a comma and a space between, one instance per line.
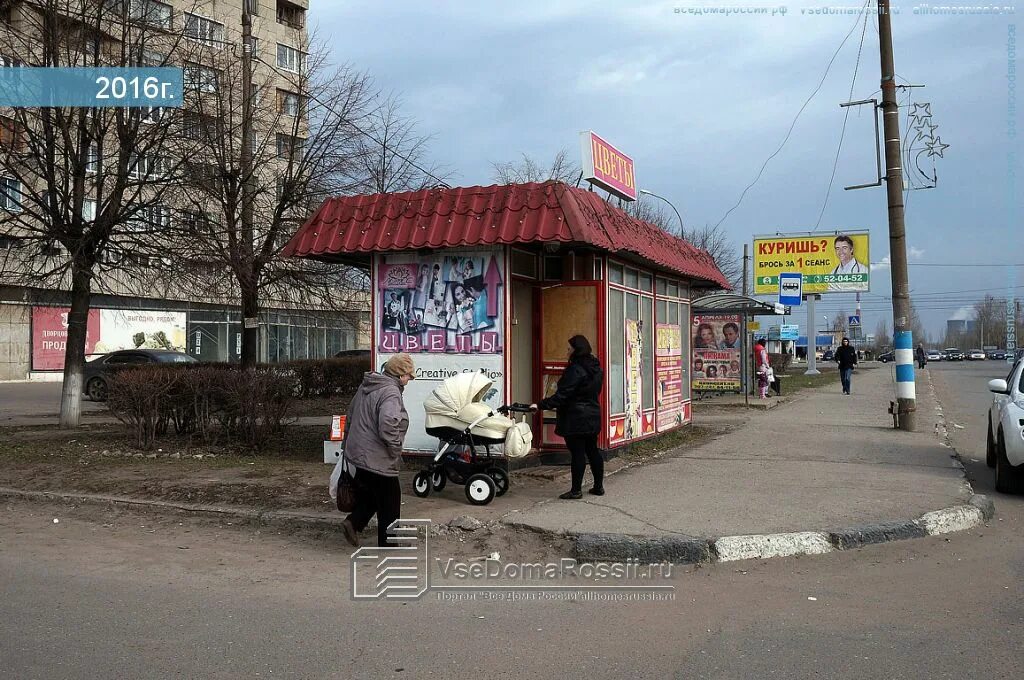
x=844, y=250
x=730, y=334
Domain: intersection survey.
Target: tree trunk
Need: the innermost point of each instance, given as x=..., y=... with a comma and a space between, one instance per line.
x=250, y=336
x=74, y=352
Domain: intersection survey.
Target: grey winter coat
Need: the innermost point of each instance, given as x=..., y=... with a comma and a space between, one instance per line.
x=376, y=425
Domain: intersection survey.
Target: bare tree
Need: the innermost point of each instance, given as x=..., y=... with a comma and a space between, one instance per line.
x=392, y=155
x=883, y=338
x=81, y=186
x=562, y=169
x=257, y=172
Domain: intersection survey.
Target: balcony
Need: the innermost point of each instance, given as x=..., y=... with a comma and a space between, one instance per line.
x=291, y=14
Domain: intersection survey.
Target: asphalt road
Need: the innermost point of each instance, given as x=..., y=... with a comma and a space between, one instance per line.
x=37, y=403
x=130, y=596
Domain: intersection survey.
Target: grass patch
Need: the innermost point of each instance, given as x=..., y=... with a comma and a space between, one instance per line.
x=686, y=436
x=793, y=384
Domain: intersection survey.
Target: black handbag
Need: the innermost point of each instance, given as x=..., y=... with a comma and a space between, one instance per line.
x=346, y=492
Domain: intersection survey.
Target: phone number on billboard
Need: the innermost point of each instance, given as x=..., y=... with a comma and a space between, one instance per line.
x=844, y=278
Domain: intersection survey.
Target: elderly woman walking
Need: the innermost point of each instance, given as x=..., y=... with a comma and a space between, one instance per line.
x=374, y=435
x=579, y=415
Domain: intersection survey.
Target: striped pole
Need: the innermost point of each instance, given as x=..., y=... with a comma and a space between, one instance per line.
x=903, y=341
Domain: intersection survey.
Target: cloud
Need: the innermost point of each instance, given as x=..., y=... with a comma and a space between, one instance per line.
x=882, y=265
x=962, y=314
x=915, y=253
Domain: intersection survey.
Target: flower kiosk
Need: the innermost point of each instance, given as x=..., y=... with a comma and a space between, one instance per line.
x=496, y=279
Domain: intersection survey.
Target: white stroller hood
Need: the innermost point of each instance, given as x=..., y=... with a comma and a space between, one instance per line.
x=458, y=402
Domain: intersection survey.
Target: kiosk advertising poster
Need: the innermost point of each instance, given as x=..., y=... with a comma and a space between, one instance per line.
x=634, y=379
x=717, y=353
x=829, y=263
x=668, y=369
x=442, y=304
x=447, y=311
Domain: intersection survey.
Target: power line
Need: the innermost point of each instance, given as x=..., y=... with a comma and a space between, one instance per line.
x=795, y=119
x=846, y=117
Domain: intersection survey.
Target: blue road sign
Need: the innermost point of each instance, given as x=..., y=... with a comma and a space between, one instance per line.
x=854, y=321
x=789, y=332
x=791, y=288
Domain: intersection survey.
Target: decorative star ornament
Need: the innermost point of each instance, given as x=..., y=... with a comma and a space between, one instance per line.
x=925, y=131
x=936, y=147
x=921, y=112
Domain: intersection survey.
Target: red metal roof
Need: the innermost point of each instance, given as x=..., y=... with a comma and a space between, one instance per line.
x=475, y=216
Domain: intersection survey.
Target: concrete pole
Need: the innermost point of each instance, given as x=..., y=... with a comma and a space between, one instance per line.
x=903, y=339
x=812, y=337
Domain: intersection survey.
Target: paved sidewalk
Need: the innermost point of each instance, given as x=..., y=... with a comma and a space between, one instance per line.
x=821, y=462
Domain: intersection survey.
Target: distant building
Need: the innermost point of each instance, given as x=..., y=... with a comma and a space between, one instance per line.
x=959, y=326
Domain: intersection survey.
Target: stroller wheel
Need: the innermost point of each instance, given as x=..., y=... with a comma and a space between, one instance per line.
x=500, y=479
x=480, y=489
x=421, y=484
x=438, y=479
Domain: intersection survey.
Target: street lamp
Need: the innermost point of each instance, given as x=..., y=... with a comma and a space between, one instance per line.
x=651, y=193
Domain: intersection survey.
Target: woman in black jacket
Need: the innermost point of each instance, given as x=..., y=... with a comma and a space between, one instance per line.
x=579, y=414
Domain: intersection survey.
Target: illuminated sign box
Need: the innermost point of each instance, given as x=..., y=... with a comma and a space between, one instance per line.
x=607, y=167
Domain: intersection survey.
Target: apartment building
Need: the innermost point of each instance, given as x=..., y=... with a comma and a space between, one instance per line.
x=153, y=303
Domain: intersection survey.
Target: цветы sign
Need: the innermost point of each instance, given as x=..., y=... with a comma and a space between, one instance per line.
x=607, y=167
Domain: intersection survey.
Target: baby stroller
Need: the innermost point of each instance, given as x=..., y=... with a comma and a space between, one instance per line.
x=462, y=422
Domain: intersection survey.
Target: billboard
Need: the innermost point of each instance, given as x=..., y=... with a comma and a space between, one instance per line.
x=444, y=304
x=668, y=369
x=107, y=330
x=717, y=353
x=607, y=167
x=833, y=263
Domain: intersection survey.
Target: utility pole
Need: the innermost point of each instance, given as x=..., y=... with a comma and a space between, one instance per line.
x=903, y=340
x=250, y=309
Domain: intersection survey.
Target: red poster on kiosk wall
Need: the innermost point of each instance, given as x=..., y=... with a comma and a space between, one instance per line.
x=50, y=336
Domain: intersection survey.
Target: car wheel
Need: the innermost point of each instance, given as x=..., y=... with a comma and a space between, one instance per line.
x=1009, y=479
x=990, y=445
x=96, y=389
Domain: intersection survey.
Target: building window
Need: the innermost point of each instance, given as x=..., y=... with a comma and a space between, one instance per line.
x=200, y=78
x=197, y=222
x=151, y=12
x=151, y=114
x=253, y=6
x=151, y=218
x=147, y=166
x=6, y=61
x=89, y=210
x=289, y=58
x=11, y=135
x=288, y=103
x=198, y=127
x=206, y=31
x=290, y=14
x=290, y=146
x=92, y=160
x=10, y=194
x=144, y=57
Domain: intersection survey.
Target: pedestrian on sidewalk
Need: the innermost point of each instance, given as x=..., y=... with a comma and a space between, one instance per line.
x=846, y=356
x=579, y=415
x=374, y=437
x=762, y=366
x=921, y=357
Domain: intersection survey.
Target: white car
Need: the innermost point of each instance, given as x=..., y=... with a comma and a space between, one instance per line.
x=934, y=355
x=975, y=355
x=1005, y=446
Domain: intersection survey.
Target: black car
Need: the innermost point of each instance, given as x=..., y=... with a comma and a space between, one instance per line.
x=998, y=354
x=886, y=357
x=953, y=354
x=99, y=370
x=829, y=355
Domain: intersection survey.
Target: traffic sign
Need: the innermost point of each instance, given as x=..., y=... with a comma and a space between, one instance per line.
x=791, y=288
x=789, y=331
x=753, y=325
x=854, y=321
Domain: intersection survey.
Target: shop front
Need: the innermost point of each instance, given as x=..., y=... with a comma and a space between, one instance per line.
x=497, y=279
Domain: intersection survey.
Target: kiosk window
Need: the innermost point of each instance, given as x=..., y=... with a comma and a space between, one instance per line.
x=616, y=352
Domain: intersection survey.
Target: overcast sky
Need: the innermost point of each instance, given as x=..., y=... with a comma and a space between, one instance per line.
x=701, y=100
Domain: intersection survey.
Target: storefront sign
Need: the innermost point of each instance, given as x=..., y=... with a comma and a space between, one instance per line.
x=838, y=263
x=108, y=330
x=440, y=304
x=607, y=167
x=717, y=352
x=634, y=379
x=668, y=367
x=50, y=336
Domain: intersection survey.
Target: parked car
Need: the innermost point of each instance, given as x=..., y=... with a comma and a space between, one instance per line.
x=829, y=355
x=953, y=354
x=975, y=355
x=933, y=355
x=997, y=354
x=1004, y=446
x=98, y=371
x=364, y=353
x=886, y=357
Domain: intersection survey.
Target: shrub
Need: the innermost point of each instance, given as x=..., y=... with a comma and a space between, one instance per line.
x=780, y=362
x=328, y=377
x=247, y=405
